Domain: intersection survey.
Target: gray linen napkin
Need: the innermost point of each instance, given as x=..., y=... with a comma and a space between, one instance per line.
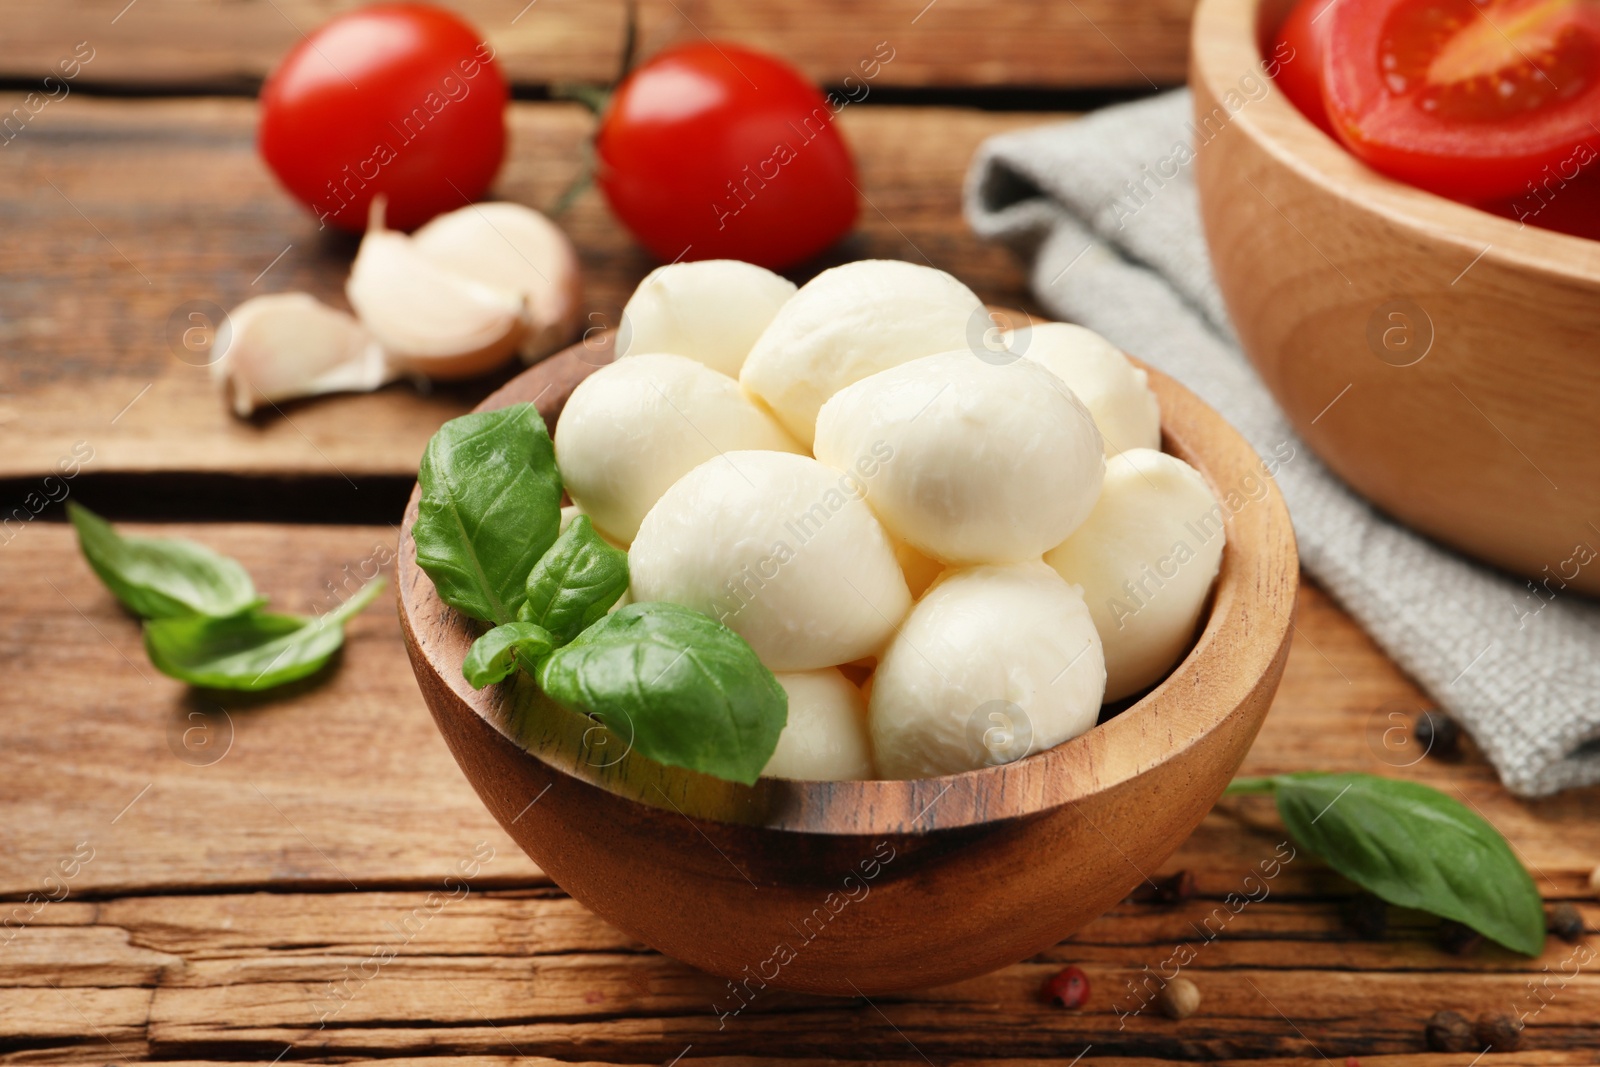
x=1526, y=687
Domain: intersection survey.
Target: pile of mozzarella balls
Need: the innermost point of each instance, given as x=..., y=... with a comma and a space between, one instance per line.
x=950, y=552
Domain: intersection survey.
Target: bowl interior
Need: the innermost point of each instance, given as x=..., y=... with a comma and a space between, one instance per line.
x=1242, y=639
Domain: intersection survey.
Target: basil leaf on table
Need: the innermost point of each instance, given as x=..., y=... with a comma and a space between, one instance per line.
x=490, y=507
x=574, y=583
x=497, y=653
x=250, y=652
x=163, y=577
x=1414, y=847
x=677, y=686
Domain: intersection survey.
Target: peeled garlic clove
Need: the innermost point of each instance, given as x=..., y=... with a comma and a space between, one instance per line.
x=428, y=318
x=1145, y=558
x=292, y=345
x=511, y=247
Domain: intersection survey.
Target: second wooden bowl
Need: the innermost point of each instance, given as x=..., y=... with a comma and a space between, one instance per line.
x=866, y=887
x=1440, y=359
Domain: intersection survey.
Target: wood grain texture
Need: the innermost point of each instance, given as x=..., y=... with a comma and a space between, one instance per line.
x=1459, y=345
x=120, y=212
x=179, y=43
x=239, y=964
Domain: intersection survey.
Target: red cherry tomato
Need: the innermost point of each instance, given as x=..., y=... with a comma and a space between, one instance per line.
x=400, y=99
x=712, y=151
x=1299, y=54
x=1471, y=99
x=1567, y=201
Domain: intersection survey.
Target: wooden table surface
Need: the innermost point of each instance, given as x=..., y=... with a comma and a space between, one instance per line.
x=260, y=897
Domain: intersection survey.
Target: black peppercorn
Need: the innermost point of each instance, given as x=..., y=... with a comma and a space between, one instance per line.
x=1458, y=939
x=1498, y=1031
x=1438, y=735
x=1449, y=1031
x=1564, y=921
x=1177, y=889
x=1367, y=915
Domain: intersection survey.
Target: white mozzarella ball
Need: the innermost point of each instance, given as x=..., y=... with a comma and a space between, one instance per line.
x=782, y=550
x=711, y=311
x=825, y=739
x=985, y=463
x=993, y=663
x=634, y=427
x=850, y=322
x=1145, y=558
x=1116, y=392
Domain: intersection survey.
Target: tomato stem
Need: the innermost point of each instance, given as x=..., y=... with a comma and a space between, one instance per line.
x=593, y=97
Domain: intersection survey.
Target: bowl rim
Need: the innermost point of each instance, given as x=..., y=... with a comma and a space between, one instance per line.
x=1245, y=636
x=1225, y=47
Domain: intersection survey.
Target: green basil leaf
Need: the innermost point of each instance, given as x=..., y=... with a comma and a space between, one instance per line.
x=674, y=685
x=250, y=652
x=574, y=583
x=1415, y=847
x=491, y=506
x=163, y=577
x=497, y=653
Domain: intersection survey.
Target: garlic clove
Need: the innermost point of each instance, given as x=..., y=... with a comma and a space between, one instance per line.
x=429, y=318
x=291, y=345
x=509, y=246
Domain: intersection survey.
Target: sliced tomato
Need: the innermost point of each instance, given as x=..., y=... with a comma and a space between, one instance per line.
x=1471, y=99
x=1296, y=60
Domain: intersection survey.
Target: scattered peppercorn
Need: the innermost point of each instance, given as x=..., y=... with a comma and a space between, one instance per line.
x=1177, y=889
x=1458, y=939
x=1367, y=915
x=1564, y=921
x=1068, y=989
x=1438, y=734
x=1449, y=1031
x=1498, y=1031
x=1178, y=999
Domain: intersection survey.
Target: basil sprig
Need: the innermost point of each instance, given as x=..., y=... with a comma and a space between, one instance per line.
x=203, y=619
x=575, y=582
x=679, y=685
x=490, y=507
x=254, y=651
x=674, y=685
x=163, y=577
x=497, y=653
x=1412, y=846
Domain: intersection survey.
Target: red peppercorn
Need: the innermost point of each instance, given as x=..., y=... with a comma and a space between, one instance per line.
x=1068, y=989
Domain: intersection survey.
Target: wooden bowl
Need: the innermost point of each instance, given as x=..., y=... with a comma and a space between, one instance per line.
x=868, y=887
x=1442, y=360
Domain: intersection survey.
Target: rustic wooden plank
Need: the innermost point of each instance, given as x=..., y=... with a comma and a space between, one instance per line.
x=150, y=205
x=1104, y=43
x=352, y=758
x=336, y=781
x=1092, y=43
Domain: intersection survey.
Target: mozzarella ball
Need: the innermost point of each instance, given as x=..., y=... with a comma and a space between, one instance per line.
x=850, y=322
x=970, y=462
x=782, y=550
x=634, y=427
x=1116, y=392
x=1145, y=558
x=825, y=739
x=993, y=663
x=711, y=311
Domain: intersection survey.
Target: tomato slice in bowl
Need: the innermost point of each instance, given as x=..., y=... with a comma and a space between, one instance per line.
x=1471, y=99
x=1301, y=44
